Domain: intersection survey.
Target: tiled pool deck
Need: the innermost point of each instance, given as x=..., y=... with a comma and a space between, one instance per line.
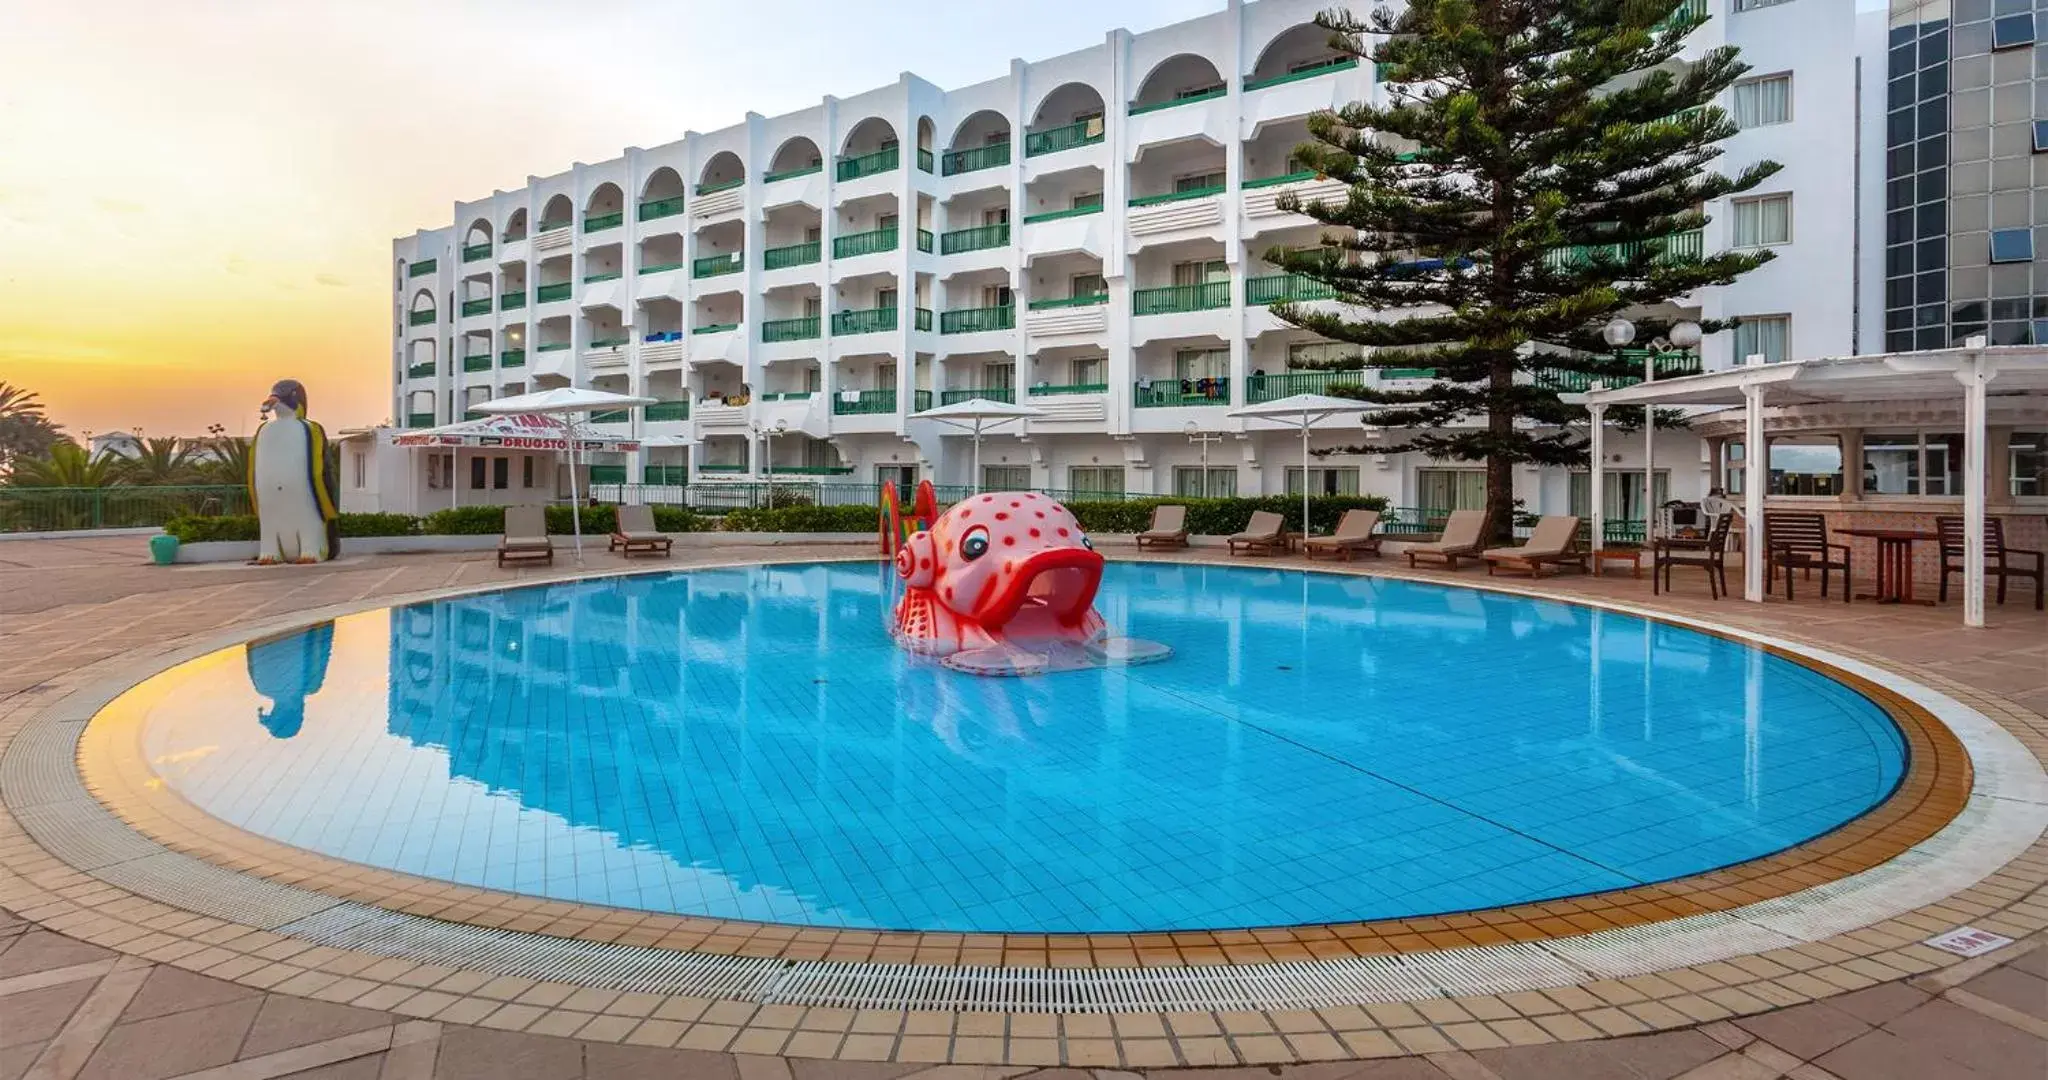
x=96, y=980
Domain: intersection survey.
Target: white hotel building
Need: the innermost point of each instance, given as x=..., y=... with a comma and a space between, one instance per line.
x=1082, y=234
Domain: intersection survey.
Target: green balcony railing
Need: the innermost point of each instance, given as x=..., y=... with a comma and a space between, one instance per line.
x=1211, y=93
x=658, y=268
x=788, y=395
x=978, y=320
x=924, y=159
x=419, y=419
x=667, y=410
x=881, y=161
x=547, y=293
x=798, y=329
x=610, y=343
x=869, y=321
x=1260, y=388
x=921, y=319
x=732, y=262
x=920, y=400
x=1276, y=181
x=1055, y=215
x=423, y=370
x=813, y=470
x=1286, y=288
x=553, y=224
x=479, y=306
x=665, y=474
x=1408, y=373
x=716, y=186
x=1069, y=388
x=421, y=318
x=778, y=258
x=981, y=157
x=1689, y=244
x=552, y=347
x=1335, y=63
x=1054, y=140
x=1670, y=365
x=924, y=241
x=1689, y=13
x=607, y=474
x=610, y=416
x=477, y=363
x=1168, y=392
x=1090, y=300
x=511, y=301
x=716, y=328
x=601, y=222
x=1174, y=298
x=1177, y=196
x=721, y=467
x=603, y=275
x=791, y=174
x=473, y=252
x=511, y=358
x=868, y=402
x=661, y=208
x=975, y=239
x=472, y=414
x=988, y=393
x=422, y=268
x=865, y=243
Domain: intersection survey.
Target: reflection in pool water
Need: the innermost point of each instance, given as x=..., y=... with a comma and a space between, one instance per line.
x=748, y=743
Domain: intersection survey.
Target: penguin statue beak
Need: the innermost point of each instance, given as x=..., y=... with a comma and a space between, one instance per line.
x=269, y=404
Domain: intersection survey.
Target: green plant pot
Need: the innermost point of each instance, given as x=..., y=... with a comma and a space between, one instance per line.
x=163, y=548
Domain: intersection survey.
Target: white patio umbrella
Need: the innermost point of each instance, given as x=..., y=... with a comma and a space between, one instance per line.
x=975, y=415
x=1303, y=410
x=566, y=402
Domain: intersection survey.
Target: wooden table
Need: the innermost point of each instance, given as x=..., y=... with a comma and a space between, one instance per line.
x=1628, y=553
x=1894, y=563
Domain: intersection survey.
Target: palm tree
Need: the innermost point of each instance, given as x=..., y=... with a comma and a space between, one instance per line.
x=169, y=460
x=227, y=461
x=69, y=466
x=25, y=430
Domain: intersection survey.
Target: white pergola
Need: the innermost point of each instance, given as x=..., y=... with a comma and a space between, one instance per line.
x=1972, y=373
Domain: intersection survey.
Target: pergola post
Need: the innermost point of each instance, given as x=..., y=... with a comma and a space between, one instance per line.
x=1596, y=496
x=1650, y=455
x=1973, y=377
x=1754, y=478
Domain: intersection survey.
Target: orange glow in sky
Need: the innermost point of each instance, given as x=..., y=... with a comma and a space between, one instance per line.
x=198, y=198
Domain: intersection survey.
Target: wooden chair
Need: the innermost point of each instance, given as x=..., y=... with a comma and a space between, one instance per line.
x=1668, y=552
x=636, y=534
x=1169, y=528
x=526, y=536
x=1799, y=541
x=1554, y=543
x=1262, y=535
x=1998, y=559
x=1354, y=534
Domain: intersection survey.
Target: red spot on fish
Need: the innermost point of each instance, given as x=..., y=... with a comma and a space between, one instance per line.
x=988, y=498
x=1034, y=532
x=1063, y=532
x=924, y=564
x=1015, y=504
x=1000, y=516
x=1009, y=540
x=1040, y=513
x=966, y=513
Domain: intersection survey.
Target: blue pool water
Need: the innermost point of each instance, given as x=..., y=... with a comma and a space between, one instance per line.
x=747, y=743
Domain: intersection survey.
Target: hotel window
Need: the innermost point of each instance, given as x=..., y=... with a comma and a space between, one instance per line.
x=2012, y=245
x=1191, y=364
x=1005, y=477
x=1096, y=479
x=526, y=472
x=1197, y=182
x=1764, y=334
x=362, y=469
x=2012, y=31
x=1762, y=222
x=1086, y=371
x=1090, y=201
x=1189, y=482
x=501, y=473
x=1201, y=272
x=1450, y=489
x=1759, y=102
x=1752, y=5
x=2026, y=458
x=1325, y=480
x=476, y=474
x=1621, y=493
x=1805, y=464
x=998, y=376
x=1087, y=285
x=1311, y=354
x=2040, y=136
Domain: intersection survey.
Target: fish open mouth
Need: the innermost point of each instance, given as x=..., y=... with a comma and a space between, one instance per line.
x=1050, y=591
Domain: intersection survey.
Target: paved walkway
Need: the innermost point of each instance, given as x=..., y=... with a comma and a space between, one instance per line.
x=72, y=1009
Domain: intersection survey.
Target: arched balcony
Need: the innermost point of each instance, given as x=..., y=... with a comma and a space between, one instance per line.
x=476, y=241
x=722, y=173
x=796, y=157
x=1178, y=81
x=1300, y=52
x=871, y=148
x=662, y=196
x=1070, y=116
x=606, y=209
x=981, y=142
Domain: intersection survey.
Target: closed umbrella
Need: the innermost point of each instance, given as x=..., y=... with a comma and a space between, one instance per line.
x=1303, y=410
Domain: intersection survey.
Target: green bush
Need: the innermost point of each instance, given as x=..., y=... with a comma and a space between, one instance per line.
x=191, y=529
x=1220, y=517
x=465, y=521
x=378, y=525
x=803, y=519
x=598, y=520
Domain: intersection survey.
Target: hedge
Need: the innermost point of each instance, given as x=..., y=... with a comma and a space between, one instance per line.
x=803, y=519
x=461, y=521
x=1220, y=517
x=193, y=529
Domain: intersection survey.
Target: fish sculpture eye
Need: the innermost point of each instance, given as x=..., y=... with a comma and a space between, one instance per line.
x=975, y=544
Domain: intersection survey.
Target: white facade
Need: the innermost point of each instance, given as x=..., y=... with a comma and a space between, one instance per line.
x=749, y=276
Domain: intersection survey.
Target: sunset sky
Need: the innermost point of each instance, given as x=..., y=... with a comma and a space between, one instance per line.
x=197, y=197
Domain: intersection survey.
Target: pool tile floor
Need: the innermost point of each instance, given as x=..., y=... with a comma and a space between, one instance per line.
x=267, y=1006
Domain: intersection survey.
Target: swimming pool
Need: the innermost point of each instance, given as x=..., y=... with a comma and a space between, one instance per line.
x=747, y=743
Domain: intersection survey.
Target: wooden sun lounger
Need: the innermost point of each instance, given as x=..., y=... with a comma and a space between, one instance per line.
x=1261, y=536
x=1554, y=543
x=1354, y=534
x=1459, y=540
x=1169, y=528
x=526, y=536
x=636, y=534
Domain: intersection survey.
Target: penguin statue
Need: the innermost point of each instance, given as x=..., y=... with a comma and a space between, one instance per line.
x=288, y=481
x=289, y=669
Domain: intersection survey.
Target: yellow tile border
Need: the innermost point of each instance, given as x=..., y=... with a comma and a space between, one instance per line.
x=1933, y=789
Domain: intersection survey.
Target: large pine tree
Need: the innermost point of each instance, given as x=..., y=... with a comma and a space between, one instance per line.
x=1515, y=192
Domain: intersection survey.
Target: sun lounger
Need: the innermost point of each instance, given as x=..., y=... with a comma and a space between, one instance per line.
x=526, y=536
x=1354, y=533
x=1261, y=535
x=1169, y=528
x=1554, y=543
x=1459, y=540
x=636, y=534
